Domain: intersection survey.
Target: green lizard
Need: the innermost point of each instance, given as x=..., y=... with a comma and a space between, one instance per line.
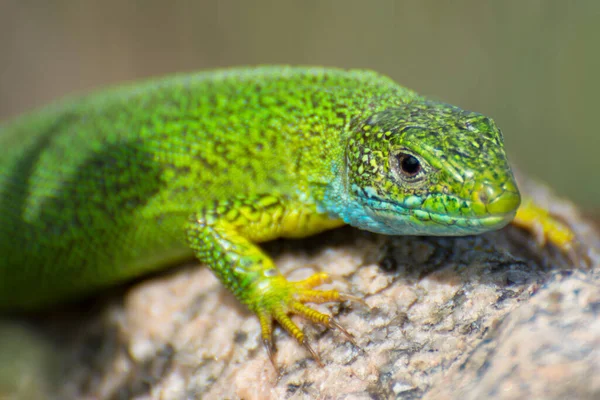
x=104, y=188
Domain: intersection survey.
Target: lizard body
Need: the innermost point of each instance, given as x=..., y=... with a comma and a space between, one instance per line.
x=106, y=187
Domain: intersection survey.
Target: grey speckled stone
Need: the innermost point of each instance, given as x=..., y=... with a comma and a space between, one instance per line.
x=470, y=318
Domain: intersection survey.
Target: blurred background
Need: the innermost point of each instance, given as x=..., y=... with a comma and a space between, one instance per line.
x=532, y=65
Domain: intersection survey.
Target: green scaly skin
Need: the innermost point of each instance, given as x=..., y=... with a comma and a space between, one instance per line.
x=104, y=188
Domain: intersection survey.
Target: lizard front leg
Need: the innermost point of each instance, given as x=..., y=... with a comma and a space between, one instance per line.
x=224, y=238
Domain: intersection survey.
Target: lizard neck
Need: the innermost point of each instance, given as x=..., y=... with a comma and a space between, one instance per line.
x=338, y=201
x=335, y=196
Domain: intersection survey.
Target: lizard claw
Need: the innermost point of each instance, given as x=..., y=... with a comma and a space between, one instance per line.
x=270, y=349
x=313, y=353
x=349, y=297
x=349, y=337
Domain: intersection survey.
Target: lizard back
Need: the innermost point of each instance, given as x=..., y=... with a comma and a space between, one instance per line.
x=96, y=190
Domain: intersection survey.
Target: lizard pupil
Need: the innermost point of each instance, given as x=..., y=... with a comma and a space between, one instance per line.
x=409, y=164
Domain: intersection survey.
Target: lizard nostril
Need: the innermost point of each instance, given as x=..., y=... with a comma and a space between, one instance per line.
x=487, y=193
x=483, y=197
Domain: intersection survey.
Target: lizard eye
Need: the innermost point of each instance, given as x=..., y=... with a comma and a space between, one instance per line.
x=407, y=166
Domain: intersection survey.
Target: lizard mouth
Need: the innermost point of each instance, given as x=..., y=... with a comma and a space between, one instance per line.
x=421, y=221
x=488, y=206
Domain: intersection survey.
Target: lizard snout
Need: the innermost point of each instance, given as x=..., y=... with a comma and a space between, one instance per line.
x=498, y=199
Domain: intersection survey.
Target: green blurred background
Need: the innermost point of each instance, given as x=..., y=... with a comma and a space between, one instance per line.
x=532, y=65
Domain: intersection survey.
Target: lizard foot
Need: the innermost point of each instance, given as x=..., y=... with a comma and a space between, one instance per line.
x=548, y=229
x=279, y=297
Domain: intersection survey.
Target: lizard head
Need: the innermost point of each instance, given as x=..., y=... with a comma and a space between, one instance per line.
x=428, y=168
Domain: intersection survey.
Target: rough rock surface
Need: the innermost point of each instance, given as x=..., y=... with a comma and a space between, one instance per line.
x=490, y=316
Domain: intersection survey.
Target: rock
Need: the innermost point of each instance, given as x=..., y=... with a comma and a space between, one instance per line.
x=476, y=317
